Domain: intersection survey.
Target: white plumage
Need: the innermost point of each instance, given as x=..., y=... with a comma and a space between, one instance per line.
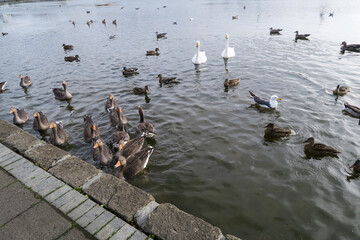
x=228, y=51
x=199, y=56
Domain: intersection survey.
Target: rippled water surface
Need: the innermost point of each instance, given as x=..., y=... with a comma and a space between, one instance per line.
x=210, y=156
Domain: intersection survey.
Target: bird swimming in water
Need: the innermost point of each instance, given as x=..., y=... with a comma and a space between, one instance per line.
x=72, y=58
x=341, y=90
x=25, y=81
x=231, y=82
x=272, y=103
x=68, y=47
x=20, y=116
x=199, y=56
x=275, y=31
x=141, y=91
x=272, y=132
x=228, y=52
x=319, y=149
x=155, y=52
x=301, y=36
x=349, y=47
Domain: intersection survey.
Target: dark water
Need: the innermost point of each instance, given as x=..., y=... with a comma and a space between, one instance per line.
x=210, y=156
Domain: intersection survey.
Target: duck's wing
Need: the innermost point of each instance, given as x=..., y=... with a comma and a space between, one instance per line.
x=319, y=147
x=353, y=47
x=132, y=147
x=2, y=85
x=352, y=108
x=58, y=91
x=22, y=114
x=282, y=131
x=43, y=118
x=137, y=162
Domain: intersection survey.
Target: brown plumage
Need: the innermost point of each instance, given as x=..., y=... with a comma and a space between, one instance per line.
x=143, y=126
x=319, y=149
x=72, y=58
x=90, y=129
x=41, y=123
x=231, y=82
x=57, y=135
x=141, y=91
x=341, y=90
x=25, y=81
x=62, y=94
x=20, y=116
x=101, y=153
x=110, y=102
x=133, y=146
x=117, y=117
x=68, y=47
x=272, y=132
x=155, y=52
x=166, y=80
x=120, y=137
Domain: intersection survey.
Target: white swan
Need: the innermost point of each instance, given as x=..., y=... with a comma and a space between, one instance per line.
x=228, y=51
x=199, y=56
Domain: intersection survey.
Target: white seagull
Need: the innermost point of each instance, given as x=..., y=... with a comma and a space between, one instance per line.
x=272, y=103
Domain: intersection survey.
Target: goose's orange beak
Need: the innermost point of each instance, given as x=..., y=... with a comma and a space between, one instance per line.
x=51, y=126
x=63, y=82
x=35, y=115
x=94, y=127
x=11, y=111
x=118, y=164
x=111, y=97
x=120, y=109
x=96, y=145
x=120, y=146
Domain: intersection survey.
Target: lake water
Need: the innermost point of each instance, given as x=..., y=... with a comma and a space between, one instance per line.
x=210, y=157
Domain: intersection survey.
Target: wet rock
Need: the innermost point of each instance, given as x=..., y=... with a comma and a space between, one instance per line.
x=6, y=129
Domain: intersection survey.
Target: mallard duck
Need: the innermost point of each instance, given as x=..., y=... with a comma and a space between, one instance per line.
x=166, y=80
x=319, y=149
x=228, y=51
x=130, y=71
x=114, y=22
x=25, y=81
x=350, y=47
x=72, y=58
x=90, y=129
x=231, y=82
x=143, y=126
x=110, y=102
x=68, y=47
x=101, y=153
x=120, y=137
x=234, y=17
x=341, y=90
x=129, y=167
x=41, y=123
x=57, y=135
x=4, y=34
x=155, y=52
x=301, y=36
x=160, y=35
x=356, y=166
x=272, y=103
x=20, y=116
x=275, y=31
x=140, y=91
x=62, y=94
x=272, y=132
x=103, y=21
x=199, y=56
x=353, y=110
x=117, y=117
x=2, y=86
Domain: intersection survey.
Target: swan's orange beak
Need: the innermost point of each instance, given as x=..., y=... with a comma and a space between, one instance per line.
x=118, y=164
x=51, y=126
x=279, y=98
x=96, y=145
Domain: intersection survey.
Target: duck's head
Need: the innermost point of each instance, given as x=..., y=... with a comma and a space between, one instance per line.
x=270, y=125
x=63, y=83
x=296, y=32
x=227, y=36
x=12, y=110
x=274, y=98
x=111, y=97
x=146, y=88
x=53, y=125
x=271, y=28
x=310, y=140
x=77, y=56
x=93, y=127
x=343, y=44
x=98, y=143
x=159, y=76
x=356, y=164
x=157, y=49
x=63, y=44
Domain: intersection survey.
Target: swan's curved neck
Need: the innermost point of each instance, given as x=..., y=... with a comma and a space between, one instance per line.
x=227, y=43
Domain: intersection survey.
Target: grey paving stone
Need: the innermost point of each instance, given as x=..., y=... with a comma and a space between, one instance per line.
x=100, y=222
x=22, y=141
x=11, y=159
x=50, y=188
x=118, y=195
x=32, y=175
x=16, y=164
x=35, y=180
x=58, y=193
x=73, y=203
x=124, y=233
x=168, y=222
x=46, y=155
x=81, y=209
x=4, y=151
x=7, y=156
x=44, y=184
x=110, y=229
x=6, y=129
x=75, y=234
x=5, y=179
x=47, y=225
x=139, y=236
x=69, y=196
x=23, y=170
x=15, y=199
x=74, y=171
x=90, y=216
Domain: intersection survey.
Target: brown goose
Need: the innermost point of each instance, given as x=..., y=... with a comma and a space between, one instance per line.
x=129, y=167
x=341, y=90
x=231, y=82
x=4, y=34
x=120, y=137
x=141, y=91
x=166, y=80
x=353, y=110
x=57, y=135
x=133, y=146
x=143, y=126
x=110, y=103
x=68, y=47
x=41, y=123
x=90, y=129
x=20, y=116
x=101, y=153
x=319, y=149
x=25, y=81
x=2, y=86
x=62, y=94
x=271, y=132
x=72, y=58
x=117, y=117
x=155, y=52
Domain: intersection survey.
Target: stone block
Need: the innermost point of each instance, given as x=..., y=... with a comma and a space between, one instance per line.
x=4, y=150
x=231, y=237
x=10, y=158
x=35, y=180
x=74, y=171
x=100, y=222
x=111, y=228
x=73, y=203
x=74, y=234
x=69, y=196
x=139, y=236
x=23, y=170
x=50, y=188
x=81, y=209
x=5, y=179
x=58, y=193
x=51, y=181
x=118, y=195
x=16, y=164
x=6, y=129
x=124, y=233
x=46, y=155
x=90, y=216
x=22, y=141
x=143, y=213
x=168, y=222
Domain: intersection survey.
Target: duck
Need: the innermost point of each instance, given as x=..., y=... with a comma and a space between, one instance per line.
x=68, y=47
x=114, y=22
x=57, y=135
x=272, y=103
x=20, y=116
x=72, y=58
x=228, y=51
x=349, y=47
x=275, y=31
x=87, y=11
x=272, y=132
x=155, y=52
x=62, y=94
x=103, y=21
x=319, y=149
x=117, y=117
x=356, y=166
x=199, y=56
x=331, y=14
x=166, y=80
x=143, y=126
x=5, y=33
x=132, y=146
x=341, y=90
x=111, y=36
x=160, y=35
x=41, y=123
x=234, y=17
x=129, y=167
x=120, y=137
x=110, y=102
x=25, y=81
x=88, y=23
x=2, y=86
x=140, y=91
x=352, y=110
x=301, y=36
x=90, y=129
x=231, y=82
x=130, y=71
x=101, y=153
x=73, y=23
